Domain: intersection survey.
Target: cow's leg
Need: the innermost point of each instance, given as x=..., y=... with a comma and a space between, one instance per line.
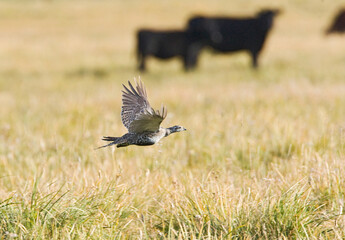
x=191, y=57
x=186, y=63
x=255, y=56
x=142, y=65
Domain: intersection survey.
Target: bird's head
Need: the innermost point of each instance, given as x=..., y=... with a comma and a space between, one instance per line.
x=174, y=129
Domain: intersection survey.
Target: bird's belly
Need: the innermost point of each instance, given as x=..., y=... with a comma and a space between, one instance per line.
x=156, y=138
x=144, y=143
x=148, y=139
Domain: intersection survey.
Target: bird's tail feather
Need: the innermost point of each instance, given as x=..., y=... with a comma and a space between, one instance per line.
x=110, y=138
x=114, y=140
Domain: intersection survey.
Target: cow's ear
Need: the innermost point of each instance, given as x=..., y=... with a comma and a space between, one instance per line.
x=269, y=22
x=267, y=18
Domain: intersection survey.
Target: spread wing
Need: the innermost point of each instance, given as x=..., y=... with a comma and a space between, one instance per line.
x=137, y=115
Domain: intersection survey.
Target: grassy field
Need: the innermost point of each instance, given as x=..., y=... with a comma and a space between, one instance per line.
x=263, y=157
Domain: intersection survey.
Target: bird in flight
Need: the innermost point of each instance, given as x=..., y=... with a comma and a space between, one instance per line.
x=141, y=120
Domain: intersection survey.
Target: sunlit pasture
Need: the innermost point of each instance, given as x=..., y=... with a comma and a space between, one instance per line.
x=263, y=157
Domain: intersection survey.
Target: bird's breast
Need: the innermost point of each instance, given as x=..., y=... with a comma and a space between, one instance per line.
x=158, y=135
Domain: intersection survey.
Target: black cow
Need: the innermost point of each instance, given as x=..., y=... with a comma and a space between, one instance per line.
x=338, y=25
x=166, y=45
x=227, y=34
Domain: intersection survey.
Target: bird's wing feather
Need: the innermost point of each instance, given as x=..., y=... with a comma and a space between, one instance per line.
x=137, y=115
x=148, y=121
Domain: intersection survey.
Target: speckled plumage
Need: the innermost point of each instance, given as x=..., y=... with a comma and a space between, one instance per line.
x=141, y=120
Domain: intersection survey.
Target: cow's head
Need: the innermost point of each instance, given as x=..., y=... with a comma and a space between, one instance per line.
x=267, y=17
x=338, y=25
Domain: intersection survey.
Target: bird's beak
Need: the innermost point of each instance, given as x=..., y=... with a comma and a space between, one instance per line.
x=184, y=129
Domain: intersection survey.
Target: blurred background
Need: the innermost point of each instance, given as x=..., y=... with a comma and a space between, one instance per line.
x=251, y=132
x=84, y=38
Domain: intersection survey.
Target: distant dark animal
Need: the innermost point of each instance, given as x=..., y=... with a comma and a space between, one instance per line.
x=141, y=120
x=338, y=25
x=229, y=34
x=166, y=45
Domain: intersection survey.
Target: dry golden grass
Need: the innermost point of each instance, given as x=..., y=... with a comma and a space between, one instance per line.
x=264, y=151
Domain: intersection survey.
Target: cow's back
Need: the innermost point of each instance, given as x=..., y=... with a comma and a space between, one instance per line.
x=162, y=44
x=235, y=34
x=228, y=34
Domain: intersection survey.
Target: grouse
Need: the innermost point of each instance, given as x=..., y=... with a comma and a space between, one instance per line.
x=141, y=120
